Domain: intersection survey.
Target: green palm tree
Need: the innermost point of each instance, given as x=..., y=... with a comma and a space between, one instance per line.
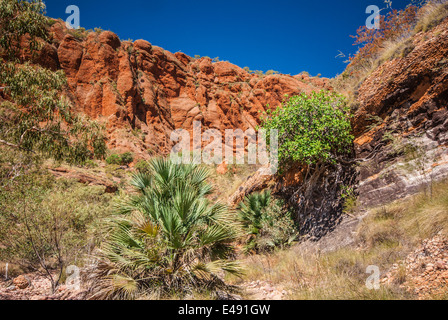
x=169, y=238
x=268, y=225
x=252, y=210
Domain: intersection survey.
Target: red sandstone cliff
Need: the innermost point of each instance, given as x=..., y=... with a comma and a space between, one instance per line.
x=143, y=92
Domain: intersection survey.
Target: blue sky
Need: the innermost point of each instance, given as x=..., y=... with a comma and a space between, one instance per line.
x=288, y=36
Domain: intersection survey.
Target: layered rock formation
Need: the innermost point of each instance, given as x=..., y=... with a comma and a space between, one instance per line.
x=142, y=92
x=400, y=126
x=402, y=121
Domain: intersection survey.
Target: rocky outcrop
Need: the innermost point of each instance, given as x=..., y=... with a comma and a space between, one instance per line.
x=424, y=272
x=142, y=92
x=258, y=181
x=85, y=178
x=402, y=121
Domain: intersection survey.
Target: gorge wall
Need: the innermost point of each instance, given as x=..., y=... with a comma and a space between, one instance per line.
x=402, y=120
x=143, y=92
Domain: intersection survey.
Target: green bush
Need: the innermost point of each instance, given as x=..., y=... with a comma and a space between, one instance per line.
x=167, y=239
x=123, y=159
x=48, y=224
x=113, y=159
x=37, y=116
x=126, y=158
x=90, y=164
x=142, y=166
x=311, y=128
x=267, y=223
x=18, y=18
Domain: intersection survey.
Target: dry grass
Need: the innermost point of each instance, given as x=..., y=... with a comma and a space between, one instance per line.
x=431, y=15
x=226, y=184
x=387, y=235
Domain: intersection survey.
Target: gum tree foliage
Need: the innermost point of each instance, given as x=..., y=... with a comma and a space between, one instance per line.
x=35, y=116
x=315, y=135
x=18, y=18
x=36, y=123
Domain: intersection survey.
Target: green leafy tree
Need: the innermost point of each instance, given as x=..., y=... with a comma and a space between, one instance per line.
x=36, y=123
x=167, y=239
x=314, y=133
x=35, y=116
x=312, y=128
x=19, y=18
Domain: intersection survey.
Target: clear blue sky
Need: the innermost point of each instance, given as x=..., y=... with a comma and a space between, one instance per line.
x=288, y=36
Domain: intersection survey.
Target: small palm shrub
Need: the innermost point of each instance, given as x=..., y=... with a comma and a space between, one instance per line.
x=168, y=239
x=267, y=224
x=142, y=166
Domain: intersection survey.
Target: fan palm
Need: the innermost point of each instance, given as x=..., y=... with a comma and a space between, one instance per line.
x=267, y=223
x=169, y=238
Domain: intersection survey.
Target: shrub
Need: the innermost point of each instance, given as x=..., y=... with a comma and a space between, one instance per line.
x=123, y=159
x=314, y=136
x=79, y=34
x=267, y=223
x=395, y=25
x=168, y=238
x=311, y=128
x=90, y=164
x=142, y=166
x=126, y=158
x=46, y=224
x=113, y=159
x=392, y=40
x=271, y=72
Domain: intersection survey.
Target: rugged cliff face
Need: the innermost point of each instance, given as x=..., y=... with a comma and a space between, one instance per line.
x=143, y=92
x=402, y=121
x=401, y=130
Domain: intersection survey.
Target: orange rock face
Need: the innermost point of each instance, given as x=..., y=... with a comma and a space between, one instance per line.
x=404, y=103
x=142, y=92
x=410, y=91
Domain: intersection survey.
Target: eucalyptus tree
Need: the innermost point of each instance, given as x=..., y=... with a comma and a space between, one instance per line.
x=35, y=114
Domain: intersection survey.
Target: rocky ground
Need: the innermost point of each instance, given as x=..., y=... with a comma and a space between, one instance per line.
x=424, y=271
x=263, y=290
x=35, y=286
